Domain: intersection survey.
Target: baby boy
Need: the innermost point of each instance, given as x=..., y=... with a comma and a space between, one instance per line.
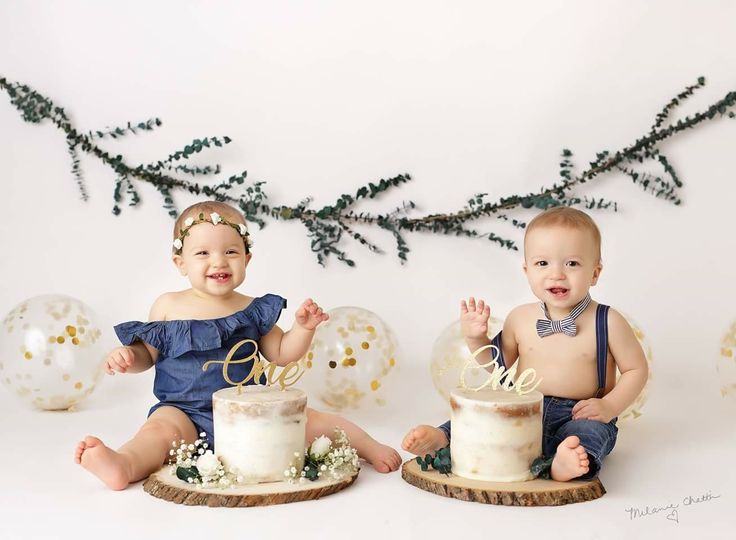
x=573, y=343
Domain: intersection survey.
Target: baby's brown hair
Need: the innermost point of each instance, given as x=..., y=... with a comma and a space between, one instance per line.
x=564, y=216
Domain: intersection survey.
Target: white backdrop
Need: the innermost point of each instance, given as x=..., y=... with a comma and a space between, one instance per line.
x=319, y=99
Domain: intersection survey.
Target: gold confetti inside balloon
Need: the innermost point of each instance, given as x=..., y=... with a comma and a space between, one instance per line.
x=450, y=354
x=726, y=366
x=50, y=351
x=349, y=359
x=634, y=410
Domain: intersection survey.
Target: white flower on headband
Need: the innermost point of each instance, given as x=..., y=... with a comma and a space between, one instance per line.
x=243, y=229
x=215, y=217
x=178, y=243
x=189, y=222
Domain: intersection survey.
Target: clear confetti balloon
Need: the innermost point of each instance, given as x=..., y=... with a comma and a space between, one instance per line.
x=726, y=366
x=349, y=360
x=634, y=410
x=450, y=354
x=50, y=351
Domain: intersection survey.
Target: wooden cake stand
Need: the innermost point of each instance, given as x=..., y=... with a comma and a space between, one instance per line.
x=531, y=493
x=164, y=485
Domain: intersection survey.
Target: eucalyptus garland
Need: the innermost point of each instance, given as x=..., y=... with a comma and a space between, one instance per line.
x=329, y=226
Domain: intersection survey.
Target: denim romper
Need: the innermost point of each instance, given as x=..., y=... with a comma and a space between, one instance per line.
x=185, y=345
x=598, y=438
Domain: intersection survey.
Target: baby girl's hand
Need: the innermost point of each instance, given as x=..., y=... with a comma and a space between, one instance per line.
x=474, y=318
x=593, y=409
x=119, y=359
x=310, y=315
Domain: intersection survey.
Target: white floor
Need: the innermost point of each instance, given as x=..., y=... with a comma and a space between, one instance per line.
x=677, y=449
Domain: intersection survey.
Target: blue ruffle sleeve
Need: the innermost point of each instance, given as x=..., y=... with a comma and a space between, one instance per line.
x=174, y=338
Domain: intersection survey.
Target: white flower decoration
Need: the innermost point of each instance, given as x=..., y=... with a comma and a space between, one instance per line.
x=243, y=229
x=208, y=464
x=320, y=446
x=178, y=243
x=189, y=222
x=215, y=217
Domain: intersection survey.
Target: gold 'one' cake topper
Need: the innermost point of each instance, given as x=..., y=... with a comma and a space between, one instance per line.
x=289, y=375
x=525, y=383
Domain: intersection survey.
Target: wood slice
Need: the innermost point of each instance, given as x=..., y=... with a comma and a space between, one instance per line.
x=164, y=485
x=531, y=493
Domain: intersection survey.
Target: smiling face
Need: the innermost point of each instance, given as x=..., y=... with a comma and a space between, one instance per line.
x=561, y=264
x=213, y=257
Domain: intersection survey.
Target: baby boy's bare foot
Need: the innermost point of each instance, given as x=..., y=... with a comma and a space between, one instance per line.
x=424, y=439
x=383, y=458
x=571, y=460
x=105, y=463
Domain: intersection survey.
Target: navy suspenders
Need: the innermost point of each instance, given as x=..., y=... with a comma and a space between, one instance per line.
x=601, y=346
x=496, y=342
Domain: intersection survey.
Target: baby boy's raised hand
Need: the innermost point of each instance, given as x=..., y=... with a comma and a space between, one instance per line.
x=593, y=409
x=309, y=315
x=474, y=318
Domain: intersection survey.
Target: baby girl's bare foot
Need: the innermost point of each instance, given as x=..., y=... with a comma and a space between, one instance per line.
x=571, y=460
x=383, y=458
x=424, y=439
x=105, y=463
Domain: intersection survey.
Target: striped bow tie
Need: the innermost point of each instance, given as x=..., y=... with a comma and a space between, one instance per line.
x=547, y=327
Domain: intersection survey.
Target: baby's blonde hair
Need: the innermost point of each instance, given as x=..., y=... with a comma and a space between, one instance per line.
x=230, y=213
x=564, y=216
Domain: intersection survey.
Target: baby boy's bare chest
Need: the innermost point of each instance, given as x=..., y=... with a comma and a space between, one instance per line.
x=558, y=349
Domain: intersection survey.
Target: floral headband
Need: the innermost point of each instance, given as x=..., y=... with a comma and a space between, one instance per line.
x=215, y=219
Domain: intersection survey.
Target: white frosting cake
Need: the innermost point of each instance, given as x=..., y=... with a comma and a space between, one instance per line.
x=496, y=434
x=259, y=430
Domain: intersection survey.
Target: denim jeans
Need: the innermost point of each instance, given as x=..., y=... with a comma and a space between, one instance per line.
x=597, y=438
